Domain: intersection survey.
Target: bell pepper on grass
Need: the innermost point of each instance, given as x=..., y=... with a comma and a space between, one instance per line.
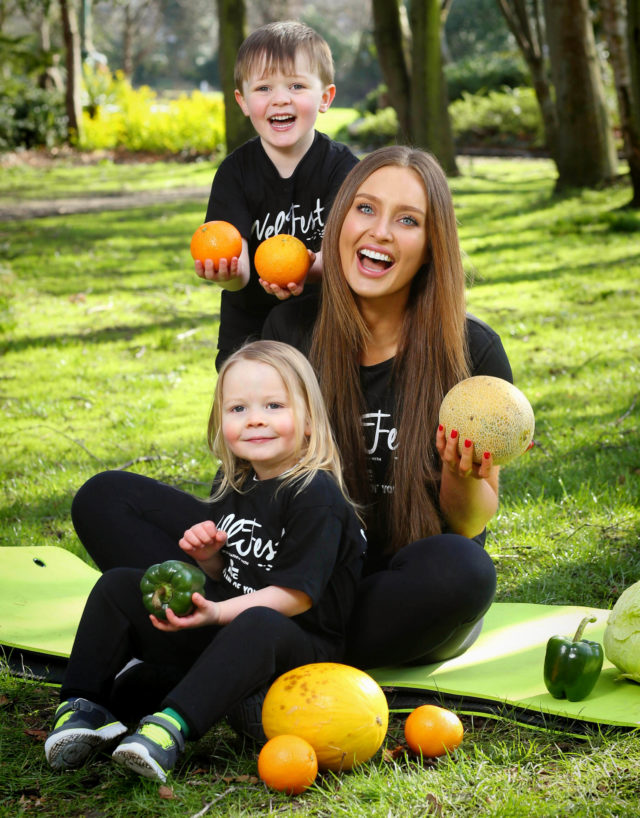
x=170, y=585
x=572, y=666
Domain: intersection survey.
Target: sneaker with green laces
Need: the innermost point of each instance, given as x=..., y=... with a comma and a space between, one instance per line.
x=81, y=728
x=153, y=749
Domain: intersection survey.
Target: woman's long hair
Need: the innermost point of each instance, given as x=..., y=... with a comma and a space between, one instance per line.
x=316, y=451
x=431, y=358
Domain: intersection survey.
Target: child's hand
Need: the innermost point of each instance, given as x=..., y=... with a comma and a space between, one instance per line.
x=227, y=269
x=281, y=293
x=205, y=613
x=461, y=465
x=203, y=540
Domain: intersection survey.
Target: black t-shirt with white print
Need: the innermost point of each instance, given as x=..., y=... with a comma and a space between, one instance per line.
x=488, y=357
x=249, y=192
x=309, y=540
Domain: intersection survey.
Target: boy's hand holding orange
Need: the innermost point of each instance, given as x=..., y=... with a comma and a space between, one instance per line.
x=219, y=241
x=282, y=261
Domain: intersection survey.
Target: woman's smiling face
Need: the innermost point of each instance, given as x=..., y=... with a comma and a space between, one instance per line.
x=383, y=241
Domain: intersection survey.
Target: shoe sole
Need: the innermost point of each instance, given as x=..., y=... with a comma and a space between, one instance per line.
x=70, y=749
x=137, y=758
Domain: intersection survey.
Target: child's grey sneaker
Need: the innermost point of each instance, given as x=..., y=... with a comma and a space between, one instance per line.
x=81, y=728
x=153, y=749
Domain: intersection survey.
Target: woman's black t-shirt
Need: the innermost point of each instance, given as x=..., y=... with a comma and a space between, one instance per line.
x=292, y=322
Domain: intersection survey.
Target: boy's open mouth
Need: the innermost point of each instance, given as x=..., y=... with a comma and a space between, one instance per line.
x=374, y=261
x=282, y=120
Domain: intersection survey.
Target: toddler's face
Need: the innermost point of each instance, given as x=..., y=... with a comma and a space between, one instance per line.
x=258, y=418
x=283, y=104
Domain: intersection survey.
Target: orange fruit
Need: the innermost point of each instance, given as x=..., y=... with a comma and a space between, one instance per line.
x=288, y=764
x=433, y=731
x=282, y=260
x=216, y=240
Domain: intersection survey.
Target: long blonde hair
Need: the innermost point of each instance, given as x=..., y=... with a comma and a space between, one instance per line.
x=432, y=354
x=316, y=451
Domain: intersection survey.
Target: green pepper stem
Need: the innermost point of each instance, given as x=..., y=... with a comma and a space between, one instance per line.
x=582, y=626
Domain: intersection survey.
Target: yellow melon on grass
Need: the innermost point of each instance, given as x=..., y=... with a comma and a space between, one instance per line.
x=492, y=413
x=341, y=711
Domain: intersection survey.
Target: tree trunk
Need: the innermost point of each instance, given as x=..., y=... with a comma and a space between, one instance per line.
x=633, y=39
x=430, y=123
x=585, y=152
x=232, y=28
x=74, y=68
x=389, y=40
x=50, y=78
x=526, y=23
x=127, y=42
x=415, y=81
x=614, y=21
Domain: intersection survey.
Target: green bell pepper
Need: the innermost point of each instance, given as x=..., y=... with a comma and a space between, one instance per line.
x=170, y=584
x=572, y=666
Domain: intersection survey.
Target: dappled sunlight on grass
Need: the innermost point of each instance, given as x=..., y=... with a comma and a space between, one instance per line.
x=108, y=344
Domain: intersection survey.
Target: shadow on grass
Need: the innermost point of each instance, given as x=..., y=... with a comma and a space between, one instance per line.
x=595, y=581
x=111, y=334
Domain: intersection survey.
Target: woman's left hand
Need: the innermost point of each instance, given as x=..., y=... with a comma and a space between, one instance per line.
x=461, y=464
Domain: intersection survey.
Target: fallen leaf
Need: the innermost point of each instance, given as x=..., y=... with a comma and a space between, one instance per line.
x=391, y=753
x=39, y=735
x=240, y=779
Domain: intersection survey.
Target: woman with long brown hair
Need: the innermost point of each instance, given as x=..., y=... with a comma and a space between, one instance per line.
x=388, y=337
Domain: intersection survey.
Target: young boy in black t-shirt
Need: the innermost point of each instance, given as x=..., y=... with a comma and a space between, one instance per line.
x=283, y=180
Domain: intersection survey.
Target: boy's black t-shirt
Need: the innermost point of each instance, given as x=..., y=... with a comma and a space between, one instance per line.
x=309, y=540
x=249, y=192
x=488, y=357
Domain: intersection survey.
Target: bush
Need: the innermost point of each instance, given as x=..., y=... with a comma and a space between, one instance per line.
x=372, y=130
x=31, y=117
x=482, y=74
x=136, y=120
x=498, y=119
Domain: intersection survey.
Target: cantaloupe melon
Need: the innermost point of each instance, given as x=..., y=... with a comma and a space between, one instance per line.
x=491, y=412
x=340, y=710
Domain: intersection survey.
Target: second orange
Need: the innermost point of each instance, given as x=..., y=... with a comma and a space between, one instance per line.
x=282, y=260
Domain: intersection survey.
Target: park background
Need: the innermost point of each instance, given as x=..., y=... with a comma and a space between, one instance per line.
x=108, y=338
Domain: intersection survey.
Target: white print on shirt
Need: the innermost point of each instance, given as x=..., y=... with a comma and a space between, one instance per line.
x=245, y=546
x=291, y=222
x=375, y=420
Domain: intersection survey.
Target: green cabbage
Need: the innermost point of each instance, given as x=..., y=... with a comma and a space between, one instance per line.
x=622, y=633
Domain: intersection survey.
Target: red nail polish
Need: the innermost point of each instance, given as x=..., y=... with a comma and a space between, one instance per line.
x=440, y=428
x=454, y=434
x=468, y=444
x=487, y=455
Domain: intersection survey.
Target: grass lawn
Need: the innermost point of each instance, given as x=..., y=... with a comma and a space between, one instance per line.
x=108, y=342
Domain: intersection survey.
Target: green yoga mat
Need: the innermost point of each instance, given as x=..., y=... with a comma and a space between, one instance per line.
x=42, y=595
x=43, y=591
x=501, y=673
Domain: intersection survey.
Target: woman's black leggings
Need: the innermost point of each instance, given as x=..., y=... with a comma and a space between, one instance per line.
x=425, y=607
